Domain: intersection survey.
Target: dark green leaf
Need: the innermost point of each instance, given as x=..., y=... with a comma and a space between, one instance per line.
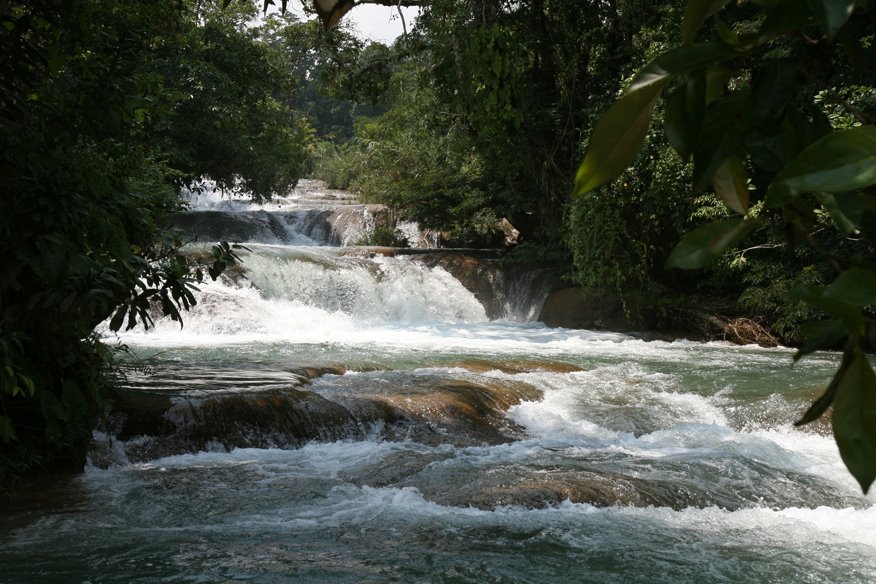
x=703, y=245
x=716, y=81
x=118, y=318
x=845, y=209
x=726, y=122
x=616, y=139
x=775, y=85
x=854, y=419
x=685, y=109
x=816, y=296
x=679, y=61
x=831, y=14
x=695, y=12
x=788, y=16
x=819, y=406
x=841, y=161
x=856, y=286
x=820, y=335
x=52, y=408
x=7, y=429
x=731, y=185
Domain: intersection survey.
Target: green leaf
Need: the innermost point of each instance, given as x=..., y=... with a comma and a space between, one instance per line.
x=685, y=109
x=819, y=406
x=788, y=16
x=831, y=14
x=695, y=12
x=616, y=139
x=726, y=122
x=775, y=85
x=845, y=209
x=7, y=429
x=731, y=184
x=817, y=297
x=716, y=81
x=820, y=335
x=703, y=245
x=841, y=161
x=680, y=61
x=854, y=419
x=52, y=408
x=856, y=286
x=118, y=318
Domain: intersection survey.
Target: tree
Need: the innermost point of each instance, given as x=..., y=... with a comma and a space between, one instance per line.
x=777, y=113
x=90, y=97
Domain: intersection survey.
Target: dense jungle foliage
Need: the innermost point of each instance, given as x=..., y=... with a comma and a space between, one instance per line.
x=107, y=108
x=477, y=118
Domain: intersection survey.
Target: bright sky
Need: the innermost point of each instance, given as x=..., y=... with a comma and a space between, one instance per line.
x=380, y=23
x=376, y=23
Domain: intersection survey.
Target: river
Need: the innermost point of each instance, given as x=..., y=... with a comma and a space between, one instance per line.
x=335, y=414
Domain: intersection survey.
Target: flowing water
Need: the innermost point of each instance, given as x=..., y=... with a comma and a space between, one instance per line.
x=340, y=415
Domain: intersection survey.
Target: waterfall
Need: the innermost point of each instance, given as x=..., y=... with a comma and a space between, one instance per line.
x=346, y=414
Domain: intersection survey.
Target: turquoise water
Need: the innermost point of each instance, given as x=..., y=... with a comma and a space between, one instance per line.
x=626, y=461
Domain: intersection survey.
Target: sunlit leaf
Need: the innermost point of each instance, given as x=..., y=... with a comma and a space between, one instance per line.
x=617, y=138
x=840, y=161
x=695, y=12
x=703, y=245
x=854, y=419
x=731, y=185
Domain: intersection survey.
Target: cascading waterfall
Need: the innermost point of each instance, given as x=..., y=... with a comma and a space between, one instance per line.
x=339, y=415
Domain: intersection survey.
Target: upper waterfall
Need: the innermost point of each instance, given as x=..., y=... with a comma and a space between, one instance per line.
x=310, y=215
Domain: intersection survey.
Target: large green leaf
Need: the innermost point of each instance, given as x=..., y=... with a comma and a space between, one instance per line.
x=831, y=14
x=617, y=138
x=787, y=16
x=731, y=184
x=845, y=209
x=679, y=61
x=824, y=401
x=820, y=335
x=703, y=245
x=695, y=12
x=685, y=110
x=841, y=161
x=854, y=419
x=818, y=297
x=856, y=286
x=727, y=122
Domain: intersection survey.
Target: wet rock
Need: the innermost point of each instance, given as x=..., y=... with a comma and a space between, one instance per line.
x=449, y=411
x=513, y=366
x=586, y=308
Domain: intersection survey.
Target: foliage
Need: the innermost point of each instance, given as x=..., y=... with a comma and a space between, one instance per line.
x=748, y=107
x=422, y=164
x=90, y=152
x=232, y=120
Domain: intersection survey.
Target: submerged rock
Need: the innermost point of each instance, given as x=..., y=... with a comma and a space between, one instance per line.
x=431, y=410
